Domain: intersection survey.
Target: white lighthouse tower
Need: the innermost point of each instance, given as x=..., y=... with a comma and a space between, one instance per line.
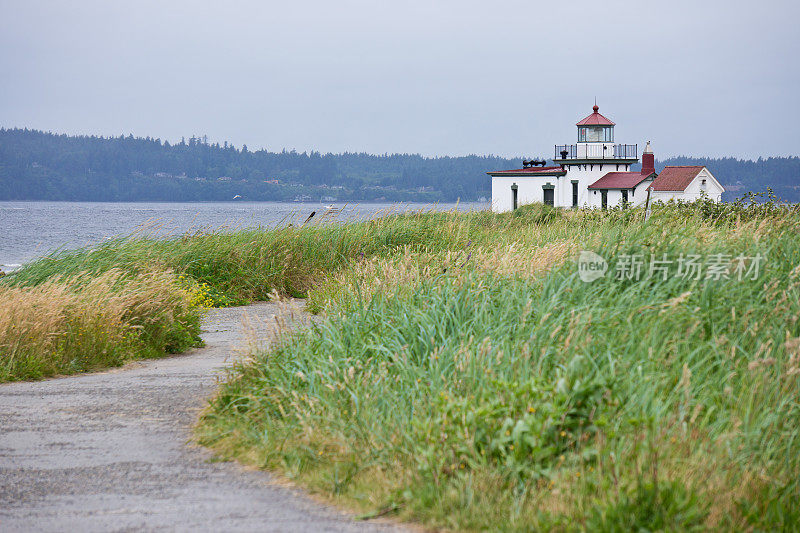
x=592, y=157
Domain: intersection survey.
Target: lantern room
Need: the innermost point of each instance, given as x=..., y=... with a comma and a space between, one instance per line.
x=595, y=128
x=595, y=142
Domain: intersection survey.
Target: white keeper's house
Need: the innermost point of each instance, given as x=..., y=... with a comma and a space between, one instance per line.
x=595, y=172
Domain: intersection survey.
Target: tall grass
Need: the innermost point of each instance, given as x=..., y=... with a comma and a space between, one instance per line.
x=249, y=264
x=85, y=309
x=219, y=268
x=484, y=386
x=83, y=322
x=462, y=375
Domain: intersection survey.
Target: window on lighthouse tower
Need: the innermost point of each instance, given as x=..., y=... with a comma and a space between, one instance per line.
x=595, y=134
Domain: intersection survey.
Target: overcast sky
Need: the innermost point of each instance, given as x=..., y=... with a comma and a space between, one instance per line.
x=437, y=78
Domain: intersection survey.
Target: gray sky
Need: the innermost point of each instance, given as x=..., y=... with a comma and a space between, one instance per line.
x=439, y=78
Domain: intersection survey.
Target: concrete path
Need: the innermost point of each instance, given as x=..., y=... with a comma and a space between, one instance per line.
x=109, y=451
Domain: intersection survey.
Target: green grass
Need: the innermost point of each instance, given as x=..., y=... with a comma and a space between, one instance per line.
x=458, y=389
x=56, y=319
x=463, y=377
x=246, y=265
x=50, y=324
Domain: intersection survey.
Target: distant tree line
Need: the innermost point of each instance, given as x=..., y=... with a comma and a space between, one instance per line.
x=36, y=165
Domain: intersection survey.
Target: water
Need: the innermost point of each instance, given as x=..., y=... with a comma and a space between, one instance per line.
x=32, y=229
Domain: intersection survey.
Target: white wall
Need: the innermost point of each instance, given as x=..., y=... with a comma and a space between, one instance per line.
x=614, y=198
x=636, y=197
x=586, y=175
x=640, y=193
x=530, y=187
x=529, y=190
x=585, y=178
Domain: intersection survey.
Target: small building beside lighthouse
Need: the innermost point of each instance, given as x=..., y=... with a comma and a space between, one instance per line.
x=595, y=172
x=686, y=184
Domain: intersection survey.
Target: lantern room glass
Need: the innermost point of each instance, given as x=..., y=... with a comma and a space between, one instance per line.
x=595, y=134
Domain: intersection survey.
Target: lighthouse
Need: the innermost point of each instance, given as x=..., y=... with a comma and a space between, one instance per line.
x=595, y=171
x=594, y=155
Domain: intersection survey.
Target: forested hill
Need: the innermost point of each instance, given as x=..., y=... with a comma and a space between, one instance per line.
x=42, y=166
x=35, y=165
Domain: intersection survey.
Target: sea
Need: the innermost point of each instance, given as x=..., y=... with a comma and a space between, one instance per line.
x=29, y=230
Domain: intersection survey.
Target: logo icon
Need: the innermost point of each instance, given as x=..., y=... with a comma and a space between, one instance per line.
x=591, y=266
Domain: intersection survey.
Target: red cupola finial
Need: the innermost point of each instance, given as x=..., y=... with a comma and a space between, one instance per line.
x=595, y=119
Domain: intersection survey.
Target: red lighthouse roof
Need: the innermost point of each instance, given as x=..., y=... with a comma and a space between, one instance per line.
x=595, y=119
x=530, y=171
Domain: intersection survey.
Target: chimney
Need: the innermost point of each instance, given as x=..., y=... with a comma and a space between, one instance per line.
x=648, y=160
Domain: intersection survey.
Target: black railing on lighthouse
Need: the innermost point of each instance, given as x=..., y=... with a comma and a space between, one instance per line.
x=620, y=151
x=626, y=151
x=566, y=151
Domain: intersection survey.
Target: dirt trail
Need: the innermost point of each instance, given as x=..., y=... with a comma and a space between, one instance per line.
x=108, y=451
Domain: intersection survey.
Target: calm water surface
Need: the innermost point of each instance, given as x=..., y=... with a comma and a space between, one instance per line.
x=32, y=229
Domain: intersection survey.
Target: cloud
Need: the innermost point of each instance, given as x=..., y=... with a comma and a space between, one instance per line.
x=437, y=78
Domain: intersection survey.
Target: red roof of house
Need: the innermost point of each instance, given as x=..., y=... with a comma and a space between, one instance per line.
x=620, y=180
x=595, y=119
x=675, y=178
x=533, y=171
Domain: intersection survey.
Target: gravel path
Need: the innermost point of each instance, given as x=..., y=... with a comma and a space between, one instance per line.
x=109, y=451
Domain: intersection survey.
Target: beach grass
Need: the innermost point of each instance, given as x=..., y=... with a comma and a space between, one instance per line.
x=479, y=384
x=81, y=322
x=248, y=264
x=462, y=376
x=56, y=311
